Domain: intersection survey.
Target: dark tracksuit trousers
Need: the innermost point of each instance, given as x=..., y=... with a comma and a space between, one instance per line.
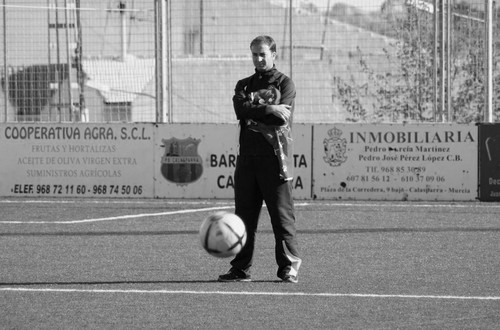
x=256, y=180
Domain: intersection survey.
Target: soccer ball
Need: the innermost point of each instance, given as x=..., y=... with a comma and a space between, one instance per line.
x=223, y=234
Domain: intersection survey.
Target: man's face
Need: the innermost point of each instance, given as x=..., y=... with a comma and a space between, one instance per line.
x=263, y=57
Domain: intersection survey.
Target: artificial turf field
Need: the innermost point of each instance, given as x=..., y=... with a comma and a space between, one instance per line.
x=138, y=264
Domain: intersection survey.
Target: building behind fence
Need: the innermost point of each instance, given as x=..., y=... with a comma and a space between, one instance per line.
x=378, y=61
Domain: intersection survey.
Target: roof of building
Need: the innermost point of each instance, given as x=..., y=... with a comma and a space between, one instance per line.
x=119, y=81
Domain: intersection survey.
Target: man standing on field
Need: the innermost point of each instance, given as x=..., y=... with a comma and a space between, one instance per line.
x=264, y=166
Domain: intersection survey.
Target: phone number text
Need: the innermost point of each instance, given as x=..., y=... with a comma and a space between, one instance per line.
x=79, y=189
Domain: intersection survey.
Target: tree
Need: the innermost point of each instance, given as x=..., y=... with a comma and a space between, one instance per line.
x=30, y=88
x=405, y=93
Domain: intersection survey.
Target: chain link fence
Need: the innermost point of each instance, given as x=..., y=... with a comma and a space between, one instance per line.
x=352, y=61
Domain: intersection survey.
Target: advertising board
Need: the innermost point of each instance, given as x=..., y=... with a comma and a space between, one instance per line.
x=395, y=162
x=489, y=162
x=198, y=160
x=76, y=160
x=334, y=161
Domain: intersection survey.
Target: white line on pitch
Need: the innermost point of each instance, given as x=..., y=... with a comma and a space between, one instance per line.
x=117, y=201
x=121, y=217
x=256, y=293
x=226, y=202
x=134, y=216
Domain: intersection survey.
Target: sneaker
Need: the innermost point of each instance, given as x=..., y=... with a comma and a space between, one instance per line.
x=234, y=276
x=290, y=279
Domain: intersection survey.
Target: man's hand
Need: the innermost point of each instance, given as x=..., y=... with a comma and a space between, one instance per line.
x=281, y=111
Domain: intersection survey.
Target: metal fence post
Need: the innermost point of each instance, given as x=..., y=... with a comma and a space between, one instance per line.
x=167, y=30
x=488, y=104
x=5, y=67
x=435, y=62
x=290, y=36
x=160, y=59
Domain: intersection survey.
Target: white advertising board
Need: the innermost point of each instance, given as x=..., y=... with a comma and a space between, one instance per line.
x=337, y=161
x=198, y=160
x=76, y=160
x=395, y=162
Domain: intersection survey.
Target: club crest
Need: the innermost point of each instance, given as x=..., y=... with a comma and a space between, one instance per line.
x=181, y=163
x=335, y=148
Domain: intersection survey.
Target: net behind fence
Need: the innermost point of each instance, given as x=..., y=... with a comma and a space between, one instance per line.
x=352, y=61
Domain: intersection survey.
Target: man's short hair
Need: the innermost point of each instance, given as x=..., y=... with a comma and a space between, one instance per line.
x=264, y=40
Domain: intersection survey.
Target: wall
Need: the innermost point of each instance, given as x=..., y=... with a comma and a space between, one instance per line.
x=489, y=158
x=332, y=161
x=395, y=162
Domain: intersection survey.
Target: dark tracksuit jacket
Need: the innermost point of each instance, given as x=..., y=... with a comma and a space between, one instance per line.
x=257, y=175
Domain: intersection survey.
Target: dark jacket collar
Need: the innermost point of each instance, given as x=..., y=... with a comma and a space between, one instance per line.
x=270, y=75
